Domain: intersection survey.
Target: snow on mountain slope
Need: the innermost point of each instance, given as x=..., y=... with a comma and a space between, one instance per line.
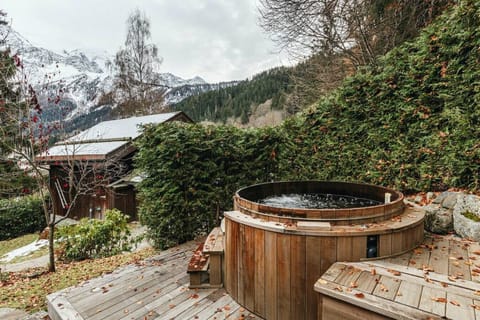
x=84, y=75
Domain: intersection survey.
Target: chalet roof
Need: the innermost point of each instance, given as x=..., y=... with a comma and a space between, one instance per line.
x=105, y=137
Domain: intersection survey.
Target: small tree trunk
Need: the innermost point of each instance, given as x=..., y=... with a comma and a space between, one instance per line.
x=51, y=252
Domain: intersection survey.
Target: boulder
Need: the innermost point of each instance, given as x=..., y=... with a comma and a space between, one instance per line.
x=466, y=217
x=439, y=214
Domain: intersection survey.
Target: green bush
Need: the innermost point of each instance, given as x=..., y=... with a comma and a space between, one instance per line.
x=92, y=238
x=21, y=216
x=193, y=170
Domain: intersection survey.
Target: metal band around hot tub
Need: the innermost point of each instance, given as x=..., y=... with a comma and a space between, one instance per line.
x=276, y=216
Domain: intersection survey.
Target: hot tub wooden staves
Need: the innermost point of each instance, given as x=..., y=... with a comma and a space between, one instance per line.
x=271, y=268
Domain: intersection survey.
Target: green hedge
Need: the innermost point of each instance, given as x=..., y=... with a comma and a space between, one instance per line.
x=412, y=123
x=21, y=216
x=192, y=169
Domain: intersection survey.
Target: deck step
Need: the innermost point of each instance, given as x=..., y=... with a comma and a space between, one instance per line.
x=206, y=265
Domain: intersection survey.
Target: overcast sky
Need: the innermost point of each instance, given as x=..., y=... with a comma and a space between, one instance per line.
x=217, y=40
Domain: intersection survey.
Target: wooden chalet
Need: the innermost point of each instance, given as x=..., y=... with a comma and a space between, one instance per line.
x=109, y=143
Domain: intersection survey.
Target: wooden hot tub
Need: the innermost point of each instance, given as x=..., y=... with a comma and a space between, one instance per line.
x=274, y=255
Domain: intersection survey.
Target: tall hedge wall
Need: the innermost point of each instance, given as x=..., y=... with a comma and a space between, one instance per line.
x=192, y=170
x=412, y=123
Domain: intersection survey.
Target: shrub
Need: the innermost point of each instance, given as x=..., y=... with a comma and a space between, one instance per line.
x=21, y=216
x=92, y=238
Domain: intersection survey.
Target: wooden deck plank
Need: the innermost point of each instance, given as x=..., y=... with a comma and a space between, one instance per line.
x=333, y=272
x=118, y=301
x=180, y=305
x=148, y=304
x=439, y=255
x=431, y=301
x=401, y=260
x=459, y=307
x=421, y=255
x=121, y=292
x=367, y=281
x=123, y=306
x=409, y=293
x=386, y=288
x=202, y=304
x=476, y=307
x=215, y=308
x=458, y=260
x=349, y=277
x=474, y=259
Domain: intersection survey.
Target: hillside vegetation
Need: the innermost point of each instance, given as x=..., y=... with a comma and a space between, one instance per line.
x=411, y=122
x=237, y=101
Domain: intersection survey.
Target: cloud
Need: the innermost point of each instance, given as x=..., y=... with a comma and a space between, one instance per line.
x=217, y=40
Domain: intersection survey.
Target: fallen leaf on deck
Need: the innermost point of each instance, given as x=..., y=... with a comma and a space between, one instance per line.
x=373, y=272
x=427, y=268
x=338, y=288
x=443, y=284
x=194, y=296
x=171, y=306
x=476, y=252
x=321, y=281
x=475, y=306
x=359, y=295
x=452, y=278
x=394, y=272
x=440, y=299
x=353, y=284
x=455, y=303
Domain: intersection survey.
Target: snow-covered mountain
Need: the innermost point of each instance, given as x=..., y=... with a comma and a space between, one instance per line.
x=85, y=77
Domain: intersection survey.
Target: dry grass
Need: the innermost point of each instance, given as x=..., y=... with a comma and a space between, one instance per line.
x=28, y=290
x=12, y=244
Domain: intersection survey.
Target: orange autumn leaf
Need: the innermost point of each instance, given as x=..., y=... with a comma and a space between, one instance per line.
x=373, y=272
x=394, y=272
x=440, y=299
x=455, y=303
x=359, y=295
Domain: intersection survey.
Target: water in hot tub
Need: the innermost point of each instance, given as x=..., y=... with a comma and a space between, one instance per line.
x=317, y=201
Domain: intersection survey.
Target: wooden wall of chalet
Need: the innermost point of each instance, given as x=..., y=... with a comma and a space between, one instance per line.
x=123, y=199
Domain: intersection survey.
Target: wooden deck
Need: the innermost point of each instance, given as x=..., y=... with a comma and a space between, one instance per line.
x=441, y=277
x=438, y=280
x=157, y=289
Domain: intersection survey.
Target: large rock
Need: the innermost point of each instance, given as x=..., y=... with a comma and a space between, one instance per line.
x=439, y=214
x=465, y=226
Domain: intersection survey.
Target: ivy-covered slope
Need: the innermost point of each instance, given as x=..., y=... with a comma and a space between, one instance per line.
x=413, y=122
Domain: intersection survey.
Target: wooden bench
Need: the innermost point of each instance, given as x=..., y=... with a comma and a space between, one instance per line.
x=206, y=264
x=374, y=291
